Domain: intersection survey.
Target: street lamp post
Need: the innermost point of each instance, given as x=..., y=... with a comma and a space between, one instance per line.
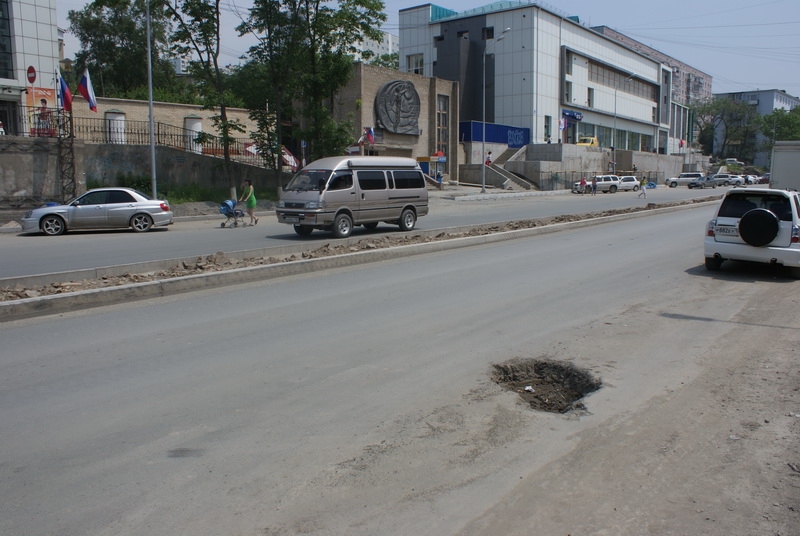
x=483, y=113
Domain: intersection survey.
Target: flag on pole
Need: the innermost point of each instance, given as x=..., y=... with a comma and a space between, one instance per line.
x=65, y=93
x=680, y=144
x=367, y=136
x=85, y=88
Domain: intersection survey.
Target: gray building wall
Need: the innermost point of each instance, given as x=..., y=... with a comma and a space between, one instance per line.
x=29, y=169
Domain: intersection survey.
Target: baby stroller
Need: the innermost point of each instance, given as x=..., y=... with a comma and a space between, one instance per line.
x=234, y=216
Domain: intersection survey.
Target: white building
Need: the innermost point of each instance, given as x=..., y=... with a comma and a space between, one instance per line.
x=389, y=44
x=28, y=58
x=544, y=71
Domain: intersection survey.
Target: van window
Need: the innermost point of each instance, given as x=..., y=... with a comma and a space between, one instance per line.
x=408, y=179
x=308, y=179
x=371, y=180
x=341, y=182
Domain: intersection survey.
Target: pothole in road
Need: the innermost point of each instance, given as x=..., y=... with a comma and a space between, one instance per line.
x=547, y=385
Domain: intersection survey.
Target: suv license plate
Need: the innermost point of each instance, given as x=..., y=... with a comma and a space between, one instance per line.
x=292, y=219
x=727, y=231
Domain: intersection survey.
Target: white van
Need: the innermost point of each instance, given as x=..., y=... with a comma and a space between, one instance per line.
x=336, y=193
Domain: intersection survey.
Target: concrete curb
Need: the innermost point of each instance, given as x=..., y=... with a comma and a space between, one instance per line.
x=62, y=303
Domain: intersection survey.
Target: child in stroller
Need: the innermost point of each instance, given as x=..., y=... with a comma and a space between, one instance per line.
x=234, y=216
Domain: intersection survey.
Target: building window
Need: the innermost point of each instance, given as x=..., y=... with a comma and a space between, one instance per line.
x=414, y=63
x=568, y=66
x=6, y=49
x=548, y=127
x=568, y=92
x=442, y=123
x=590, y=97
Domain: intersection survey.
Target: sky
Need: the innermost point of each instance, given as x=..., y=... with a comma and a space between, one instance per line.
x=743, y=45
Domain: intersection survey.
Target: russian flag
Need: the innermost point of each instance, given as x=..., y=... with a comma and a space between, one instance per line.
x=85, y=88
x=66, y=94
x=370, y=135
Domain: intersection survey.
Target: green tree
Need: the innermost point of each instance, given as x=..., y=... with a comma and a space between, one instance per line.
x=729, y=127
x=388, y=61
x=780, y=125
x=309, y=47
x=197, y=35
x=113, y=38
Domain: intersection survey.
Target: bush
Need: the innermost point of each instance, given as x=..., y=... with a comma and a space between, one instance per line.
x=193, y=193
x=141, y=183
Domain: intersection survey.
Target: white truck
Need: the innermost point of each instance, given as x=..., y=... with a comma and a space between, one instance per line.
x=785, y=170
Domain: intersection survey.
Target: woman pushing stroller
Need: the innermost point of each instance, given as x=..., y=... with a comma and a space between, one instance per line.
x=249, y=199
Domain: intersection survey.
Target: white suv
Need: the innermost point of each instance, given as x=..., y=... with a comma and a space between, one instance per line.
x=756, y=225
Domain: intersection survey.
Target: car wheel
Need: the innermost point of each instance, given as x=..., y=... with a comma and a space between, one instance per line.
x=613, y=189
x=141, y=223
x=759, y=227
x=52, y=225
x=673, y=185
x=371, y=226
x=635, y=188
x=303, y=230
x=726, y=183
x=342, y=226
x=713, y=263
x=407, y=220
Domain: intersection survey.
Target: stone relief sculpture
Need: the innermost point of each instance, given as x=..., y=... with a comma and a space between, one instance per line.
x=397, y=107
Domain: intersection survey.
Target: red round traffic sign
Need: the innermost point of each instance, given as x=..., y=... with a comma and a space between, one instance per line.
x=31, y=74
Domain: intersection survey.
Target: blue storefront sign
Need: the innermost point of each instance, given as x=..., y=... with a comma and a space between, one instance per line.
x=472, y=131
x=572, y=114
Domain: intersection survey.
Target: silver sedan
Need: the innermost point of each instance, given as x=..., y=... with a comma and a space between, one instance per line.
x=101, y=208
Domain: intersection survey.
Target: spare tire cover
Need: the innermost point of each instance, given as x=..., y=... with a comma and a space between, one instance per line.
x=759, y=227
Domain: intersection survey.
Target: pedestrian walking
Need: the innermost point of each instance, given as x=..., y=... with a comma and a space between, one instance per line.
x=489, y=158
x=583, y=185
x=249, y=199
x=594, y=185
x=643, y=189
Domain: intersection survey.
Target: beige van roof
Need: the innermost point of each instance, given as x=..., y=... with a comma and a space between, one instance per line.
x=335, y=162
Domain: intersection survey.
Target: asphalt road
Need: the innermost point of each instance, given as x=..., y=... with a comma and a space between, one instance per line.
x=38, y=254
x=354, y=401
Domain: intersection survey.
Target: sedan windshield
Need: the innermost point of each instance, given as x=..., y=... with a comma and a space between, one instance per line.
x=308, y=179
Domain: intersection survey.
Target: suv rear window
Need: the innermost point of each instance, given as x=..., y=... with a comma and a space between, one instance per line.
x=735, y=206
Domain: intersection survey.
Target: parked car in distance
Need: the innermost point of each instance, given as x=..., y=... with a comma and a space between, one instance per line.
x=101, y=208
x=629, y=182
x=750, y=179
x=733, y=162
x=605, y=184
x=725, y=179
x=763, y=179
x=702, y=182
x=756, y=225
x=683, y=179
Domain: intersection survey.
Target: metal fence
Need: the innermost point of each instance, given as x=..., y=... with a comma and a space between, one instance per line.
x=46, y=122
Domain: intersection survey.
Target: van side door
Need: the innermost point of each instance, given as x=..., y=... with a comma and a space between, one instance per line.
x=373, y=196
